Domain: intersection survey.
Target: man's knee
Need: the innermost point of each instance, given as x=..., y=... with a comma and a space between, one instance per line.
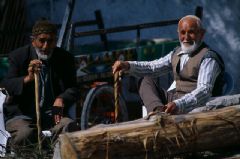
x=20, y=131
x=23, y=136
x=145, y=84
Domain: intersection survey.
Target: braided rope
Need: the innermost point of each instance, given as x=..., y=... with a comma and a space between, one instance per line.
x=116, y=94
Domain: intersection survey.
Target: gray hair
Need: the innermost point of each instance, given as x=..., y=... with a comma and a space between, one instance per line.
x=198, y=20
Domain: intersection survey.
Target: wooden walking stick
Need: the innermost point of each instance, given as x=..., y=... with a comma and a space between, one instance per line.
x=116, y=93
x=36, y=77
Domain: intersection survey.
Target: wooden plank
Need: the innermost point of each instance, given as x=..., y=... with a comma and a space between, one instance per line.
x=66, y=21
x=161, y=135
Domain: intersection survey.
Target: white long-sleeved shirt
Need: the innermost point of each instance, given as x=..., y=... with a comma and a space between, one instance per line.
x=208, y=72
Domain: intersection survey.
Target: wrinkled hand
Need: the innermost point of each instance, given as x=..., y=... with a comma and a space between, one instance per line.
x=171, y=108
x=33, y=67
x=58, y=110
x=120, y=66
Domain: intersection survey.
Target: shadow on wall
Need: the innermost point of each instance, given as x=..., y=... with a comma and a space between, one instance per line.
x=223, y=36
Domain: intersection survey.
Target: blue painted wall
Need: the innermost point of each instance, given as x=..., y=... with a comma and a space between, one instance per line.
x=221, y=19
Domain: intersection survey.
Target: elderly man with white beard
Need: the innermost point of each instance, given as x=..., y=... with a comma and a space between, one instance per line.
x=197, y=70
x=57, y=86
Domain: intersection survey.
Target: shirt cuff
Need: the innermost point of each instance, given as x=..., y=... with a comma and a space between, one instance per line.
x=179, y=105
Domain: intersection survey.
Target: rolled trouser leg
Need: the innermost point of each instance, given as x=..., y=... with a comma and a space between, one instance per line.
x=60, y=127
x=151, y=94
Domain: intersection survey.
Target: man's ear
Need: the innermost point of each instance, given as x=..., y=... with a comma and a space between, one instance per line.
x=32, y=37
x=33, y=41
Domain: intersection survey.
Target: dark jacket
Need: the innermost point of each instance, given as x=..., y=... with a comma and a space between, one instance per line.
x=22, y=96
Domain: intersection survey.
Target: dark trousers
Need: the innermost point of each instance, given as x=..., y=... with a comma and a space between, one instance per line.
x=153, y=95
x=24, y=131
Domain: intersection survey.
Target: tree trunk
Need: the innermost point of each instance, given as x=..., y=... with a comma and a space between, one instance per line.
x=159, y=136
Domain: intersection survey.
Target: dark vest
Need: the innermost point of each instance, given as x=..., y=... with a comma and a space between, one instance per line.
x=186, y=79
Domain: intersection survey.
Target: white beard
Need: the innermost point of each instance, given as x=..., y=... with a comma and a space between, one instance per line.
x=41, y=56
x=190, y=49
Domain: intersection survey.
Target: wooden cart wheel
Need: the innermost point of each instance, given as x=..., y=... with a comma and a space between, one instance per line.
x=98, y=107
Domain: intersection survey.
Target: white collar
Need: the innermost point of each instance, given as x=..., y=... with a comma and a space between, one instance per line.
x=183, y=52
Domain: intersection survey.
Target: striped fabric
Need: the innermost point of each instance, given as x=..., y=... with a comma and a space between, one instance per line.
x=209, y=70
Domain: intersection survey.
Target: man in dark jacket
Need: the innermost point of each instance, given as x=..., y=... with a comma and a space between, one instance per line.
x=57, y=85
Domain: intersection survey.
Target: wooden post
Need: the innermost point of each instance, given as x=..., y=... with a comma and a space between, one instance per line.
x=36, y=77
